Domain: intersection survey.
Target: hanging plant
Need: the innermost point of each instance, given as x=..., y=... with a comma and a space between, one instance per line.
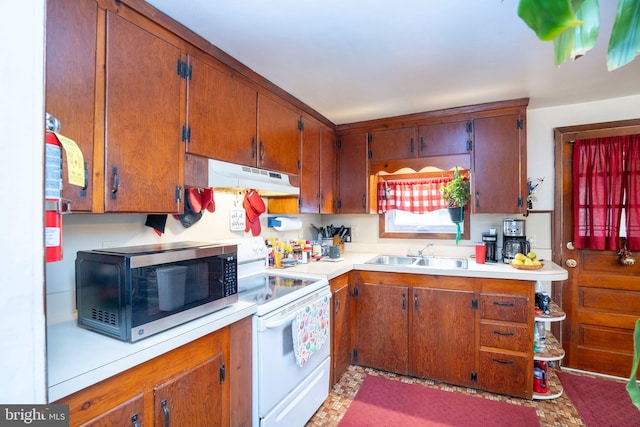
x=574, y=25
x=457, y=193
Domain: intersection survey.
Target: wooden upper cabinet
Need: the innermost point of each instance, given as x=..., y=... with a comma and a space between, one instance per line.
x=221, y=113
x=352, y=175
x=499, y=181
x=391, y=144
x=310, y=173
x=144, y=113
x=278, y=136
x=70, y=83
x=328, y=170
x=441, y=139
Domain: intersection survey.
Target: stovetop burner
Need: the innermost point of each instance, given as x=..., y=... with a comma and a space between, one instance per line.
x=270, y=291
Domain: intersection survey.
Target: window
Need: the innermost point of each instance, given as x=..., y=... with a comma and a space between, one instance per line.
x=411, y=207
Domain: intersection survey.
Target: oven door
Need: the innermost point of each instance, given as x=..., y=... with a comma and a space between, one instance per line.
x=277, y=371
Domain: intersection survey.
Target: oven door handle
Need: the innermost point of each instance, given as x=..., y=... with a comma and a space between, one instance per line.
x=280, y=322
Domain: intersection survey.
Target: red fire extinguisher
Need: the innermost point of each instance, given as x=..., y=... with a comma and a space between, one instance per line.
x=54, y=204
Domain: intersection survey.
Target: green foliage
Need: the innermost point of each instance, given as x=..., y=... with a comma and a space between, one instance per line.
x=574, y=25
x=458, y=191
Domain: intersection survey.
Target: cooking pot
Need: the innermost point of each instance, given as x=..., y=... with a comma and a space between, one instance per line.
x=512, y=227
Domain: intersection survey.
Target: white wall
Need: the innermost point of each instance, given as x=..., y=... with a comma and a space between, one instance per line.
x=22, y=329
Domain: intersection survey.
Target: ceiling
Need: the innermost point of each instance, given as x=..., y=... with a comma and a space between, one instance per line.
x=354, y=60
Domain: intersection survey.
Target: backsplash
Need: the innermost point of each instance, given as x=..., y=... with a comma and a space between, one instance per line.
x=93, y=231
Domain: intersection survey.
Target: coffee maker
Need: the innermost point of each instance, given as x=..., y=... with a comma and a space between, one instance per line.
x=490, y=240
x=513, y=239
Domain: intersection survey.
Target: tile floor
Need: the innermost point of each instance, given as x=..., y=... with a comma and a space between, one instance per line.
x=552, y=413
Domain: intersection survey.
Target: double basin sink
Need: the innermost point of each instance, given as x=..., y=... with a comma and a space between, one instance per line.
x=413, y=261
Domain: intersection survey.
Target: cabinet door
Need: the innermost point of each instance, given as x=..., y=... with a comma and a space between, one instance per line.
x=382, y=327
x=310, y=173
x=393, y=144
x=192, y=398
x=126, y=414
x=278, y=136
x=144, y=112
x=352, y=178
x=499, y=165
x=221, y=114
x=341, y=355
x=442, y=339
x=442, y=139
x=70, y=83
x=328, y=170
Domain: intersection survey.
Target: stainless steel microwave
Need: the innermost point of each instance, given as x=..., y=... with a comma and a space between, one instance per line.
x=134, y=292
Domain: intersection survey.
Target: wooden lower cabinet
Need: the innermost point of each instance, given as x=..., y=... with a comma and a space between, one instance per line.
x=340, y=326
x=382, y=325
x=191, y=385
x=506, y=337
x=472, y=332
x=442, y=339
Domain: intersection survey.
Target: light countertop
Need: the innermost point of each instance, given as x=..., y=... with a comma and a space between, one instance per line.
x=78, y=358
x=356, y=261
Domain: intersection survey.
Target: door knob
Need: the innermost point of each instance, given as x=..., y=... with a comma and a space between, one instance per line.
x=571, y=263
x=570, y=246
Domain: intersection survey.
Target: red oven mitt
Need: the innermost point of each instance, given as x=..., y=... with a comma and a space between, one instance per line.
x=254, y=207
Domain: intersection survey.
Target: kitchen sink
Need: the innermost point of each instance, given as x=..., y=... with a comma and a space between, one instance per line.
x=442, y=262
x=413, y=261
x=392, y=260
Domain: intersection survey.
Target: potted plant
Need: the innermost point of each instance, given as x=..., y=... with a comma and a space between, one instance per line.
x=457, y=194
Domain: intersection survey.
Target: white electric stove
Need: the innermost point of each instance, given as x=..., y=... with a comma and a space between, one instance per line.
x=284, y=393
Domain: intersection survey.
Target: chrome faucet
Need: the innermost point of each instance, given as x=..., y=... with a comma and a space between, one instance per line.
x=430, y=245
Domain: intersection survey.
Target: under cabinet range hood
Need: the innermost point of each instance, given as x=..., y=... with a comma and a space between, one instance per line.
x=224, y=176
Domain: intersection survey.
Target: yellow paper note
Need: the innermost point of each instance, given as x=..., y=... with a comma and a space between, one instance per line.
x=75, y=160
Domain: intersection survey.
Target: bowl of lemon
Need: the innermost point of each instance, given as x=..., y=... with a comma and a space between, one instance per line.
x=529, y=261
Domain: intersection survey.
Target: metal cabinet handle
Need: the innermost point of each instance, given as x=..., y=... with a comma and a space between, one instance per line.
x=254, y=148
x=415, y=301
x=504, y=334
x=571, y=263
x=570, y=246
x=412, y=145
x=404, y=301
x=337, y=306
x=116, y=182
x=421, y=144
x=165, y=408
x=503, y=304
x=504, y=362
x=261, y=155
x=477, y=199
x=134, y=420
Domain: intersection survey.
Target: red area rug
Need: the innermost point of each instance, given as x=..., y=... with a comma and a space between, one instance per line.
x=599, y=401
x=381, y=402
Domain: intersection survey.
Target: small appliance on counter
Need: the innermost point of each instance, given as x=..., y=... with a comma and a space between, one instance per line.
x=133, y=292
x=490, y=240
x=514, y=239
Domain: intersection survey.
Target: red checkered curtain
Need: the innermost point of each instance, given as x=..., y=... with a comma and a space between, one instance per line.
x=606, y=180
x=413, y=195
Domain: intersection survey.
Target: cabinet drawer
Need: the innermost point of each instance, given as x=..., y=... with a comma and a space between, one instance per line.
x=506, y=373
x=504, y=307
x=510, y=337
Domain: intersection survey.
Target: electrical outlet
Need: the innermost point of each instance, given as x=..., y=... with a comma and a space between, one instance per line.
x=532, y=241
x=354, y=233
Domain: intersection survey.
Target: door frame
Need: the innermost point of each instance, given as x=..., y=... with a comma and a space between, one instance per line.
x=561, y=229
